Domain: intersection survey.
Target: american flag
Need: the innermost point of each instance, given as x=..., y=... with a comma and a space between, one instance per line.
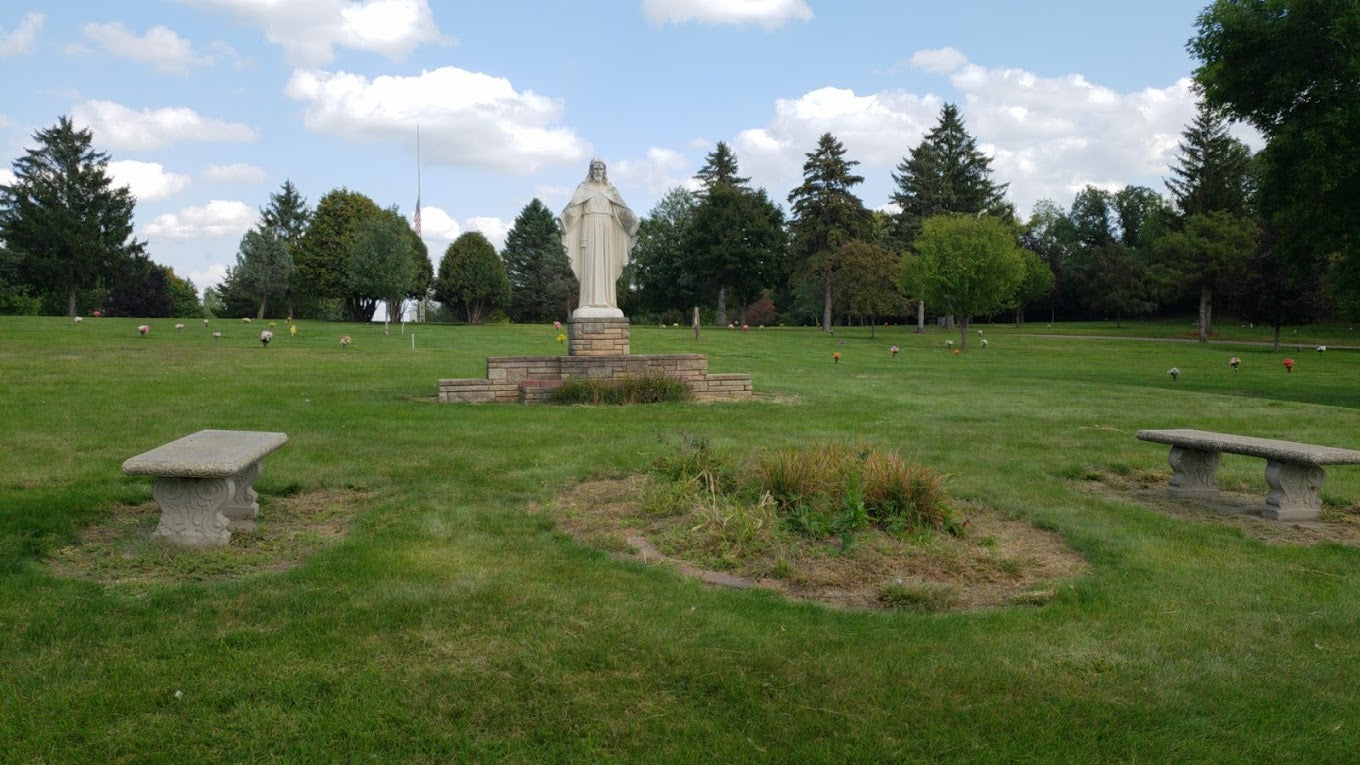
x=415, y=220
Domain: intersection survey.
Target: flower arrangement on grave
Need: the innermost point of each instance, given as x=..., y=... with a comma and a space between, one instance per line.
x=949, y=343
x=205, y=322
x=179, y=326
x=746, y=328
x=1175, y=373
x=1321, y=348
x=984, y=342
x=144, y=329
x=344, y=341
x=292, y=329
x=245, y=319
x=217, y=335
x=557, y=325
x=561, y=338
x=836, y=357
x=894, y=351
x=957, y=351
x=265, y=337
x=1234, y=362
x=97, y=313
x=1289, y=365
x=78, y=320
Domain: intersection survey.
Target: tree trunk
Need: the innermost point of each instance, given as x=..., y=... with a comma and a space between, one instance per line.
x=826, y=304
x=1205, y=306
x=395, y=309
x=873, y=327
x=920, y=317
x=1277, y=338
x=260, y=313
x=963, y=332
x=696, y=323
x=1118, y=320
x=722, y=307
x=71, y=302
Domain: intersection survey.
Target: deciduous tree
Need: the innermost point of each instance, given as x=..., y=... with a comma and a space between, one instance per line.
x=1208, y=253
x=472, y=278
x=968, y=265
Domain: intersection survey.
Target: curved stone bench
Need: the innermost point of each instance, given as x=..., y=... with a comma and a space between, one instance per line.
x=1293, y=470
x=205, y=483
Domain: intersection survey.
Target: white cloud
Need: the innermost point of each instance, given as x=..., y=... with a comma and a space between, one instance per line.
x=238, y=172
x=494, y=229
x=1047, y=136
x=215, y=274
x=21, y=39
x=438, y=230
x=660, y=171
x=766, y=13
x=218, y=218
x=147, y=180
x=310, y=30
x=161, y=47
x=7, y=177
x=117, y=127
x=938, y=61
x=469, y=119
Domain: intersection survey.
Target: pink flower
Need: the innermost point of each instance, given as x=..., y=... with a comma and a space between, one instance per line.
x=144, y=329
x=894, y=350
x=557, y=325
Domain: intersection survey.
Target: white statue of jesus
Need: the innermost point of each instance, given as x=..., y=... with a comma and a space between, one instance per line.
x=598, y=231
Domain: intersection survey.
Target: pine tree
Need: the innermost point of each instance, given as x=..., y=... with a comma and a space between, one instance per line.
x=945, y=173
x=68, y=226
x=1214, y=170
x=826, y=215
x=735, y=240
x=542, y=286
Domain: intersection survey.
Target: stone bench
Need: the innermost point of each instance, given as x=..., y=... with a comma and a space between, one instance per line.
x=205, y=483
x=1293, y=470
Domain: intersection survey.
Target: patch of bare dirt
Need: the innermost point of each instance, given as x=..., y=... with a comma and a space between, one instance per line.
x=999, y=561
x=121, y=550
x=1236, y=506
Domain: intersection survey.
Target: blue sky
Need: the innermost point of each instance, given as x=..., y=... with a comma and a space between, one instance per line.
x=207, y=106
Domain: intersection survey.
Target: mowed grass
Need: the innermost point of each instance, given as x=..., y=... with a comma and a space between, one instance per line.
x=453, y=621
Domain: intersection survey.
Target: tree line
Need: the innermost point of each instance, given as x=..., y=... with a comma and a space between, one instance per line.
x=1270, y=237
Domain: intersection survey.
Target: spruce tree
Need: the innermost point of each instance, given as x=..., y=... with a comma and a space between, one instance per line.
x=826, y=215
x=945, y=173
x=67, y=225
x=1214, y=170
x=542, y=286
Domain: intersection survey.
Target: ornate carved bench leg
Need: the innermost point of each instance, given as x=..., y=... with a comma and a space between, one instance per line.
x=1193, y=472
x=191, y=510
x=242, y=507
x=1293, y=491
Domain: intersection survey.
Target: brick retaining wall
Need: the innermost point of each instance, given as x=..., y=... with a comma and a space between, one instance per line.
x=510, y=379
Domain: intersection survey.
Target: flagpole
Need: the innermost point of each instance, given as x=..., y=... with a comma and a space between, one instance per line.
x=420, y=306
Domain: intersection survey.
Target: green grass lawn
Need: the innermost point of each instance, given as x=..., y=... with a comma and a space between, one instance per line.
x=454, y=621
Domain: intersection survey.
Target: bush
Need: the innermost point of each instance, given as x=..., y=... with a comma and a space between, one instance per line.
x=641, y=389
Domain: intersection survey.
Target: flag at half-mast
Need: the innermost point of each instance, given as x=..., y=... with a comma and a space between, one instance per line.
x=415, y=219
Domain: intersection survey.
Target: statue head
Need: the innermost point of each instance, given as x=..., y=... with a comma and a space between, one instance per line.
x=597, y=172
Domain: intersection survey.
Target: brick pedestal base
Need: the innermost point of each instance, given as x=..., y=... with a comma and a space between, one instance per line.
x=597, y=337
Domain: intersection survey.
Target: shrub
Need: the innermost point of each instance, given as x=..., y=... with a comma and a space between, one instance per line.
x=640, y=389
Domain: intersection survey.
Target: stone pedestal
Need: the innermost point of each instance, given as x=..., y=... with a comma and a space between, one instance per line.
x=1293, y=491
x=1193, y=472
x=601, y=336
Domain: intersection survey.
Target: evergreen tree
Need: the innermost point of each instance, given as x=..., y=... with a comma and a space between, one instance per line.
x=542, y=286
x=286, y=214
x=943, y=174
x=720, y=169
x=735, y=238
x=263, y=267
x=826, y=215
x=1214, y=170
x=472, y=278
x=69, y=228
